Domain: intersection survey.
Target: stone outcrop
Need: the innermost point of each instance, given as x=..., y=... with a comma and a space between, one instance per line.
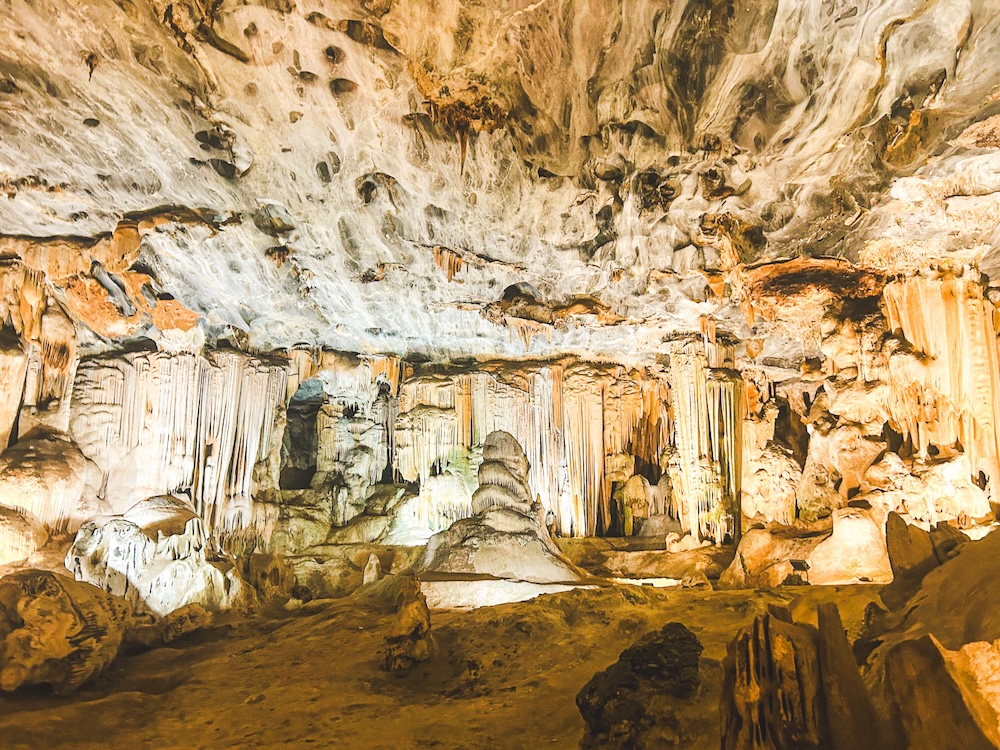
x=56, y=631
x=848, y=548
x=649, y=697
x=944, y=700
x=271, y=576
x=158, y=557
x=163, y=630
x=409, y=640
x=790, y=685
x=46, y=478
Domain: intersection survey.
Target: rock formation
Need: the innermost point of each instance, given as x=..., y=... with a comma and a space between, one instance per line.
x=158, y=557
x=285, y=286
x=791, y=685
x=638, y=700
x=409, y=639
x=56, y=631
x=507, y=538
x=849, y=548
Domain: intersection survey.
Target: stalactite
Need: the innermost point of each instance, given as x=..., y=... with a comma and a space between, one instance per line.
x=159, y=423
x=526, y=330
x=724, y=395
x=386, y=369
x=708, y=411
x=568, y=418
x=13, y=368
x=448, y=260
x=947, y=388
x=583, y=426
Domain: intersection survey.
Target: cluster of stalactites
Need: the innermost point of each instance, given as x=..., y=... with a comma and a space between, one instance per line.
x=570, y=418
x=708, y=420
x=346, y=377
x=180, y=423
x=340, y=437
x=360, y=407
x=946, y=389
x=37, y=347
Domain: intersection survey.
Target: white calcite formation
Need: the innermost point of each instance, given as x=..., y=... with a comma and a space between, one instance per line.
x=573, y=417
x=46, y=477
x=158, y=557
x=160, y=423
x=716, y=268
x=507, y=538
x=707, y=397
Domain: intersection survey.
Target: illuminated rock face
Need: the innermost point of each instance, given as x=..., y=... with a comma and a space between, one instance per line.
x=604, y=232
x=46, y=477
x=507, y=537
x=850, y=549
x=159, y=423
x=156, y=556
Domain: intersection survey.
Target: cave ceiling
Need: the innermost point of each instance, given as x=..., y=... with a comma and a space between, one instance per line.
x=445, y=178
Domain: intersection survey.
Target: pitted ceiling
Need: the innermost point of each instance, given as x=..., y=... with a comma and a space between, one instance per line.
x=372, y=177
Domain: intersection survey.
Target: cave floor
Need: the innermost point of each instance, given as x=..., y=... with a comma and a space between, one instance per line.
x=502, y=677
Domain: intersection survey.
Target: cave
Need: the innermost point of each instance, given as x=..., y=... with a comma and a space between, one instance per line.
x=438, y=373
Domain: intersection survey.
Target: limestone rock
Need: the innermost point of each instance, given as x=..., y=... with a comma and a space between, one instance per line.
x=926, y=492
x=836, y=463
x=507, y=538
x=640, y=700
x=769, y=484
x=156, y=556
x=170, y=627
x=56, y=631
x=791, y=686
x=771, y=689
x=20, y=536
x=855, y=552
x=850, y=712
x=271, y=576
x=911, y=555
x=937, y=709
x=46, y=477
x=408, y=641
x=852, y=551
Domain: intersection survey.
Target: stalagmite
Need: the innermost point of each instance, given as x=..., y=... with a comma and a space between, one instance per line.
x=47, y=478
x=569, y=417
x=506, y=538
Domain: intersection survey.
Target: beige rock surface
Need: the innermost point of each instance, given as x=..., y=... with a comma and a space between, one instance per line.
x=56, y=631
